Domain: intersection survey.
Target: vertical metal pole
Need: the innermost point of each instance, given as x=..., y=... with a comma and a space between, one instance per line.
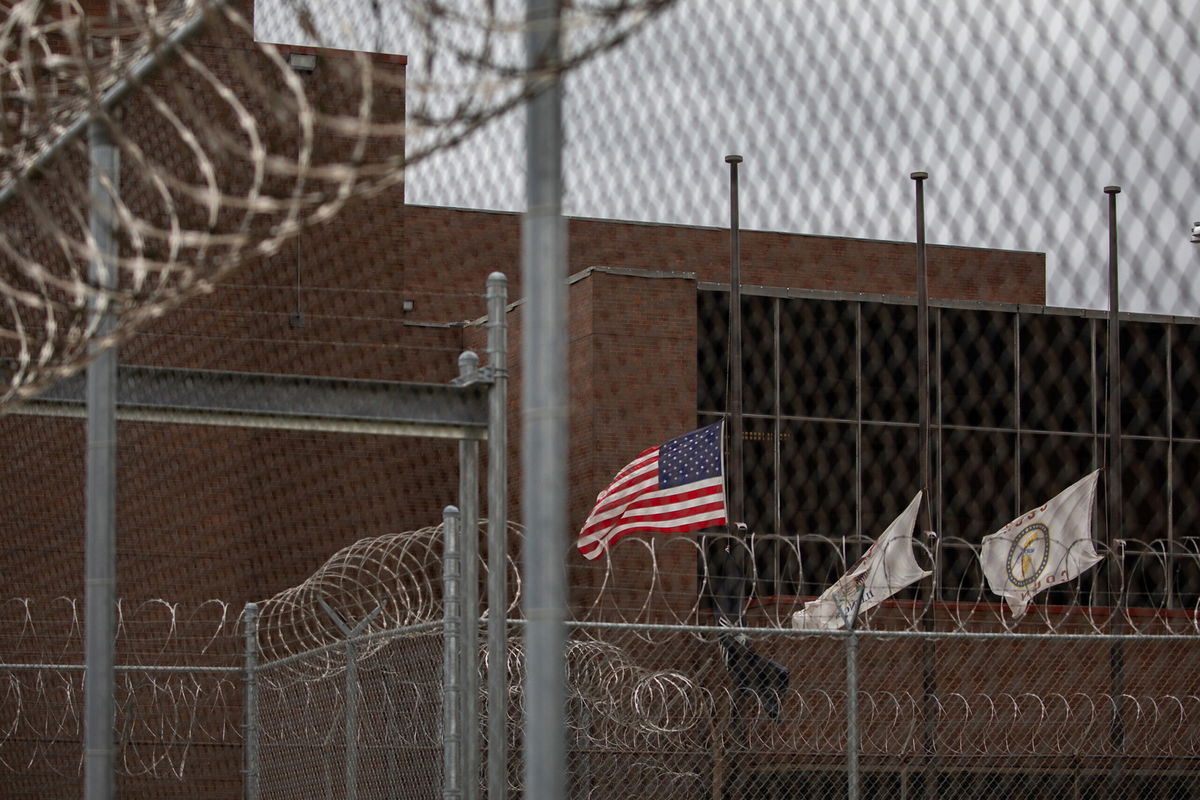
x=858, y=422
x=1113, y=477
x=100, y=556
x=923, y=347
x=544, y=411
x=852, y=776
x=392, y=730
x=923, y=388
x=777, y=427
x=250, y=685
x=929, y=666
x=497, y=668
x=451, y=630
x=737, y=484
x=351, y=771
x=1017, y=505
x=1114, y=497
x=1171, y=472
x=351, y=720
x=468, y=503
x=937, y=508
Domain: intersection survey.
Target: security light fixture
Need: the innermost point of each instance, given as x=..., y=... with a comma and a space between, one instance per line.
x=302, y=62
x=1196, y=233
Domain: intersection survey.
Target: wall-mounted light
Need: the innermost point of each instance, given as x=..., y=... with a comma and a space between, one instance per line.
x=302, y=62
x=1196, y=233
x=407, y=305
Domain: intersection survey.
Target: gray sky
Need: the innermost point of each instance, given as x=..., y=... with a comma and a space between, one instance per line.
x=1020, y=112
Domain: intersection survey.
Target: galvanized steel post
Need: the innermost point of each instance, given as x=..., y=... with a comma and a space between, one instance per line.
x=451, y=632
x=100, y=557
x=250, y=698
x=468, y=504
x=497, y=600
x=544, y=410
x=351, y=772
x=351, y=720
x=852, y=775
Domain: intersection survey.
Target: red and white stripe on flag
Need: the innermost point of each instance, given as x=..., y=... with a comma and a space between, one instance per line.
x=675, y=488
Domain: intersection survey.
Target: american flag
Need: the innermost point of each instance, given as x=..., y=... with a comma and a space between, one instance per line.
x=674, y=488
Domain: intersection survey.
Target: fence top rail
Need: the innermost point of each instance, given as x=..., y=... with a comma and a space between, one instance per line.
x=715, y=630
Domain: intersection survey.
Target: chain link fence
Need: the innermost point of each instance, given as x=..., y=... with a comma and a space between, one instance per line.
x=298, y=190
x=369, y=728
x=664, y=711
x=177, y=697
x=298, y=708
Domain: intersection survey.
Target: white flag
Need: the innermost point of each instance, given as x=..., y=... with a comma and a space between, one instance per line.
x=886, y=568
x=1043, y=547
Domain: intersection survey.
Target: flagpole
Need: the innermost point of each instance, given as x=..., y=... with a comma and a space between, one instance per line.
x=928, y=613
x=1114, y=497
x=1113, y=471
x=737, y=505
x=733, y=409
x=923, y=399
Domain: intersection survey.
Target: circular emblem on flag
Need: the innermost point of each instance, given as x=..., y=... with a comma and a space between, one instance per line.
x=1028, y=554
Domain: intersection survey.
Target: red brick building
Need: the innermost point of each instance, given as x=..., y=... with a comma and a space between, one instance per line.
x=390, y=291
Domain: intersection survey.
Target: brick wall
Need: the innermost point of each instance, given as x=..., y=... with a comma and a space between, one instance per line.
x=633, y=382
x=240, y=515
x=476, y=242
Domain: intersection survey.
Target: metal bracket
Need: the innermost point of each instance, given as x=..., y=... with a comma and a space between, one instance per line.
x=483, y=375
x=346, y=630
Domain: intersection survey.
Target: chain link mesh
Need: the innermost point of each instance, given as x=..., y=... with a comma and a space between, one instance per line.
x=969, y=709
x=319, y=189
x=227, y=153
x=177, y=696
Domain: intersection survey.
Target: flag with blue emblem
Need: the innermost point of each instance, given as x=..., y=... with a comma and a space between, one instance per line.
x=674, y=488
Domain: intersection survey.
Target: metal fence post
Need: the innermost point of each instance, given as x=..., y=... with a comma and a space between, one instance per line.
x=852, y=777
x=100, y=534
x=544, y=410
x=250, y=724
x=351, y=720
x=497, y=601
x=451, y=627
x=351, y=772
x=468, y=503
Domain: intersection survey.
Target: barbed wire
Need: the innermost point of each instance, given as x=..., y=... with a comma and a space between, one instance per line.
x=223, y=163
x=177, y=688
x=657, y=693
x=395, y=580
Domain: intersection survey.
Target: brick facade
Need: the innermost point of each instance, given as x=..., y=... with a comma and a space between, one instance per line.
x=242, y=514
